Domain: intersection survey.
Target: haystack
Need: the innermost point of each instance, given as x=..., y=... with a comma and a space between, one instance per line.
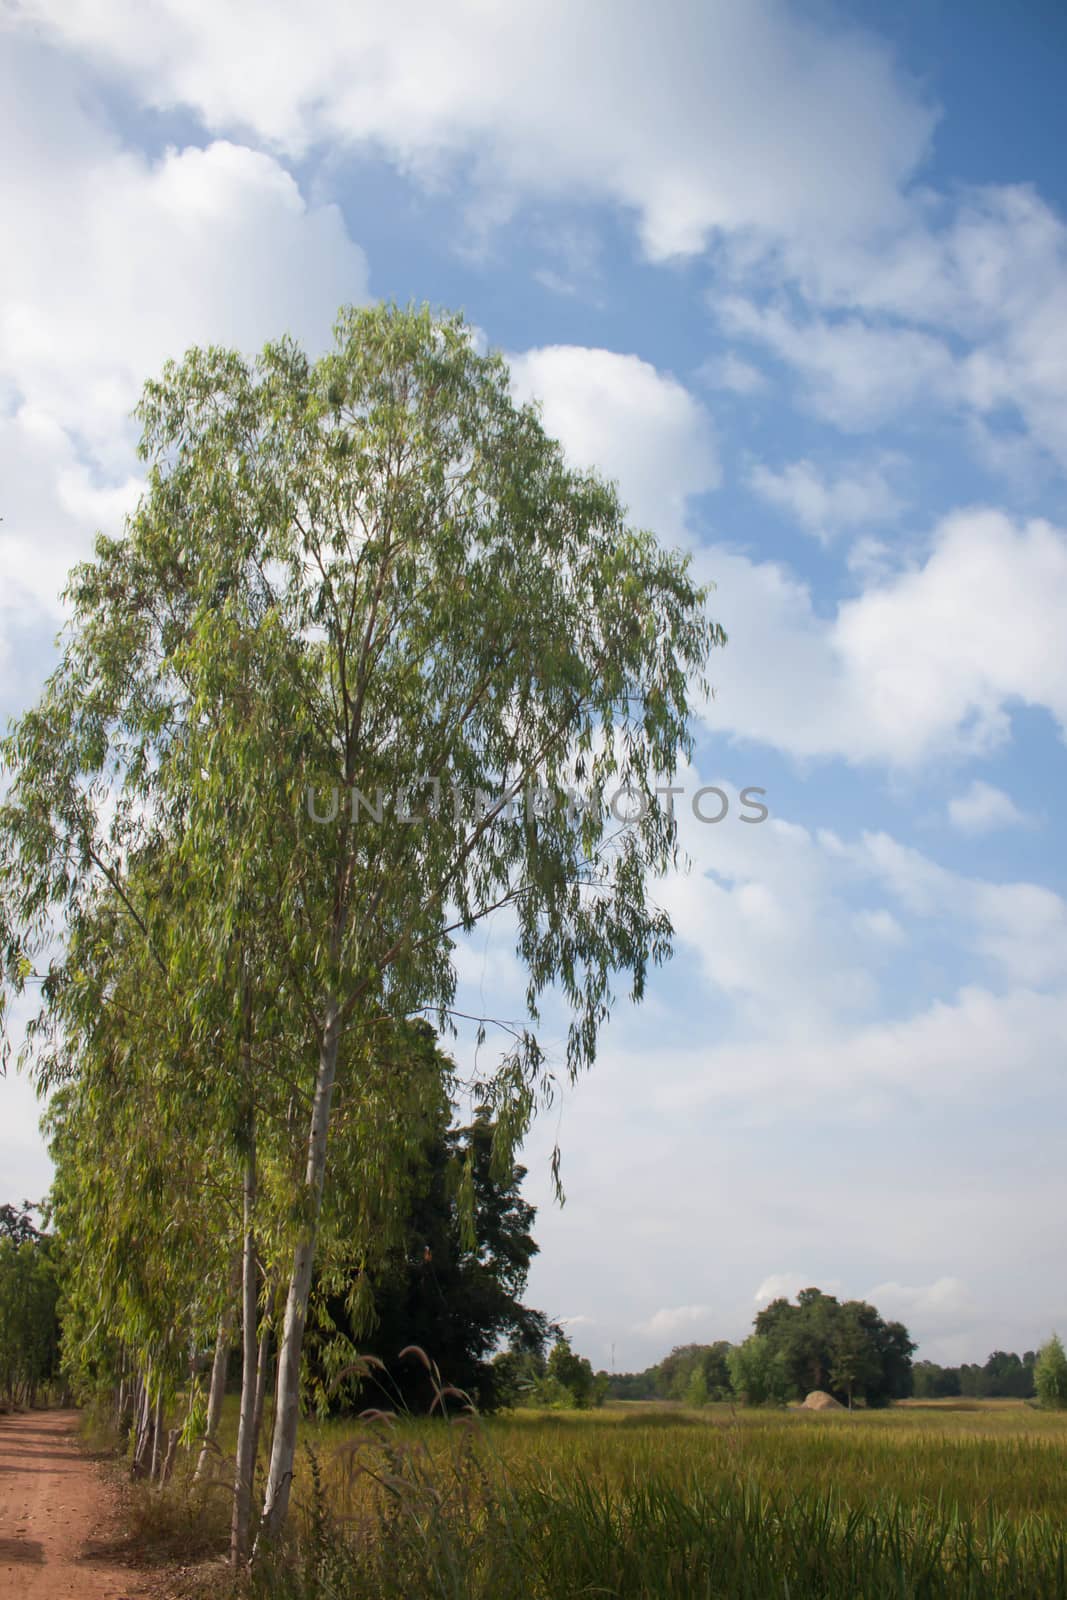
x=819, y=1400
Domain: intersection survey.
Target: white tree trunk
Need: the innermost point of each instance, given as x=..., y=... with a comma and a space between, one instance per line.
x=143, y=1428
x=246, y=1443
x=157, y=1429
x=168, y=1460
x=287, y=1410
x=261, y=1384
x=217, y=1391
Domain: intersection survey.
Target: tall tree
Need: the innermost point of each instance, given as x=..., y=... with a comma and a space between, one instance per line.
x=453, y=1286
x=375, y=578
x=1050, y=1374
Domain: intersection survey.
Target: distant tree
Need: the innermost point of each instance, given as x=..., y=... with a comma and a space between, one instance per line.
x=1004, y=1375
x=933, y=1382
x=803, y=1336
x=574, y=1374
x=29, y=1323
x=758, y=1373
x=675, y=1372
x=856, y=1365
x=633, y=1385
x=16, y=1223
x=696, y=1392
x=1009, y=1375
x=517, y=1373
x=894, y=1348
x=847, y=1349
x=1050, y=1374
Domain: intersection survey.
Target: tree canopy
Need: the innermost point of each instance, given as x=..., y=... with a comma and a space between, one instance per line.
x=845, y=1348
x=319, y=709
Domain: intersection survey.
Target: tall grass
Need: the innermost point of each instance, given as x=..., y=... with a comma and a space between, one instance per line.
x=914, y=1504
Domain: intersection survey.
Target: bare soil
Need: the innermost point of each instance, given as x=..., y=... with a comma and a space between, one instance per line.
x=58, y=1517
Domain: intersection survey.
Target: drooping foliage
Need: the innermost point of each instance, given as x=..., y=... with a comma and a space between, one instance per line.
x=369, y=581
x=29, y=1321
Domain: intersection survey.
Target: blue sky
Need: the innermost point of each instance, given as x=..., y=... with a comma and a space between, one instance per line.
x=797, y=277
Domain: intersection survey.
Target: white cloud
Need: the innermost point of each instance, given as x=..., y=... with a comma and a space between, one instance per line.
x=791, y=145
x=640, y=426
x=982, y=808
x=927, y=661
x=827, y=1149
x=1020, y=928
x=748, y=117
x=824, y=505
x=124, y=261
x=787, y=1285
x=962, y=306
x=201, y=246
x=731, y=373
x=944, y=1306
x=856, y=375
x=672, y=1322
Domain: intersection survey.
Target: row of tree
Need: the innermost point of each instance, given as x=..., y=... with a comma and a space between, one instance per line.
x=29, y=1322
x=845, y=1348
x=1004, y=1375
x=371, y=579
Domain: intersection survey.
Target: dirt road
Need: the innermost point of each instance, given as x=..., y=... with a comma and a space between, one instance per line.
x=55, y=1505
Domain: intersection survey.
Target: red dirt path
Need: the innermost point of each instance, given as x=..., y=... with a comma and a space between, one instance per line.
x=55, y=1505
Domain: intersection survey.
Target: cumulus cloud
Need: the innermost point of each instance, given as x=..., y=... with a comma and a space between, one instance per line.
x=855, y=374
x=785, y=141
x=926, y=660
x=787, y=1285
x=742, y=118
x=124, y=261
x=672, y=1322
x=640, y=426
x=942, y=1306
x=959, y=306
x=825, y=505
x=983, y=807
x=199, y=245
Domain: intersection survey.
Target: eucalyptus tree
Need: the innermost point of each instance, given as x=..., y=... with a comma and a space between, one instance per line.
x=370, y=588
x=28, y=1320
x=145, y=1188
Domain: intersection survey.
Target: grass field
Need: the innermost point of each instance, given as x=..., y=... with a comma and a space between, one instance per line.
x=924, y=1500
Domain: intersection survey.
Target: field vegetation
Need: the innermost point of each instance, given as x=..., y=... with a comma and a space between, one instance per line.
x=923, y=1499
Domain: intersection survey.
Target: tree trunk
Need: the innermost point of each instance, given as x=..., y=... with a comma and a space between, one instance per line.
x=157, y=1432
x=246, y=1443
x=287, y=1410
x=217, y=1391
x=143, y=1435
x=168, y=1460
x=261, y=1386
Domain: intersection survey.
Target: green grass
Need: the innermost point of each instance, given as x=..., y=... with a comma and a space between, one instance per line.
x=919, y=1502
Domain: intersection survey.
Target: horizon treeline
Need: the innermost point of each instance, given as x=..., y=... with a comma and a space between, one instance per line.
x=821, y=1343
x=1004, y=1375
